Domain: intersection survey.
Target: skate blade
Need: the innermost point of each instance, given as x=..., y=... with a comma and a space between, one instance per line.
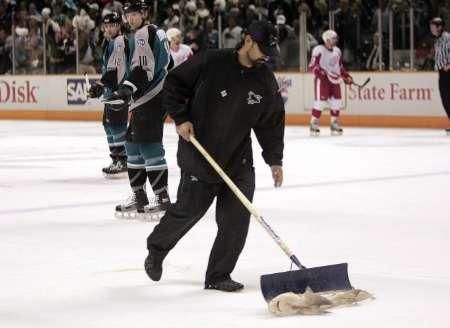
x=150, y=216
x=131, y=215
x=121, y=175
x=336, y=133
x=314, y=134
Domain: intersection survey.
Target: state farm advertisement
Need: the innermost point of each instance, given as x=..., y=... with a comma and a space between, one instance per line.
x=395, y=94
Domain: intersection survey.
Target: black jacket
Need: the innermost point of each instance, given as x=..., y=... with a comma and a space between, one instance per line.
x=225, y=101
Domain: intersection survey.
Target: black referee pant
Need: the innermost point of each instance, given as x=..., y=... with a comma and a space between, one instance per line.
x=444, y=90
x=193, y=200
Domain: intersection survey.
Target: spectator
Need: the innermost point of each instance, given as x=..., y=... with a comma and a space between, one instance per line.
x=112, y=6
x=84, y=25
x=190, y=21
x=173, y=16
x=285, y=37
x=202, y=12
x=52, y=31
x=20, y=50
x=345, y=22
x=212, y=35
x=280, y=7
x=232, y=35
x=5, y=52
x=251, y=15
x=33, y=12
x=35, y=48
x=179, y=51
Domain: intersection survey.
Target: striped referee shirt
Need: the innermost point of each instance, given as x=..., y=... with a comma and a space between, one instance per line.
x=442, y=51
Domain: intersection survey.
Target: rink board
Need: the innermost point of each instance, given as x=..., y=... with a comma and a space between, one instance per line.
x=390, y=99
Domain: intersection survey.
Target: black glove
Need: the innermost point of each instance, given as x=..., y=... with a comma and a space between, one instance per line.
x=95, y=91
x=120, y=98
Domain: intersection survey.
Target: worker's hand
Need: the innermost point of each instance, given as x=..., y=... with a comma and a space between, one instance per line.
x=185, y=130
x=447, y=67
x=277, y=175
x=348, y=79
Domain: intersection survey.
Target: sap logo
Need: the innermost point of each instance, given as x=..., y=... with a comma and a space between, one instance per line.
x=77, y=91
x=140, y=42
x=18, y=93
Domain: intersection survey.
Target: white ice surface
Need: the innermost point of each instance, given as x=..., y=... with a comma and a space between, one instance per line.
x=378, y=199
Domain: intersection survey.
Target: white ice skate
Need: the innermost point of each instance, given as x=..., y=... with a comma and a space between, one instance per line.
x=335, y=128
x=155, y=210
x=448, y=131
x=116, y=170
x=314, y=130
x=135, y=203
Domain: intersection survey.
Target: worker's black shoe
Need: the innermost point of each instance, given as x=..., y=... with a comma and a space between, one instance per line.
x=227, y=285
x=153, y=267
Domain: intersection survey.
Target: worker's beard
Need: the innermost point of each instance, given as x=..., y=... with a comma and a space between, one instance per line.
x=258, y=62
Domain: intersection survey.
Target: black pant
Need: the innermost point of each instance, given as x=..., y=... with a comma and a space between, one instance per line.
x=444, y=90
x=193, y=200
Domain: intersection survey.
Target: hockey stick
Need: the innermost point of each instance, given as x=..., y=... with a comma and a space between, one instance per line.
x=363, y=84
x=88, y=85
x=323, y=278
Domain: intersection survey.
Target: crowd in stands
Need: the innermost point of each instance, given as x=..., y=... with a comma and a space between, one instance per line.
x=59, y=23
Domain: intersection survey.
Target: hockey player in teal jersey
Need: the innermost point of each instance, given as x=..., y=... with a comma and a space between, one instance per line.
x=148, y=64
x=113, y=74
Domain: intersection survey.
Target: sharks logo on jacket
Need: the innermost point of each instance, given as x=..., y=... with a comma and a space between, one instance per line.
x=253, y=98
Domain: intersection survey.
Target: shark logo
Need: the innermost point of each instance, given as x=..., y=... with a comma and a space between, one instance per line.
x=253, y=98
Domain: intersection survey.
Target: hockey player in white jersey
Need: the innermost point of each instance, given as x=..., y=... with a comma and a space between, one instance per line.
x=148, y=64
x=113, y=74
x=326, y=64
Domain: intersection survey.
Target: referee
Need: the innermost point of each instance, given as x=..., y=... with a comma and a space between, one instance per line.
x=442, y=61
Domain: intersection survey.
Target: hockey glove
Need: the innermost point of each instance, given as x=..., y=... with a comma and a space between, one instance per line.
x=347, y=79
x=122, y=97
x=96, y=90
x=319, y=73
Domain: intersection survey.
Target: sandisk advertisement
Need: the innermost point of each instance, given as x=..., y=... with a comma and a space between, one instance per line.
x=18, y=92
x=46, y=93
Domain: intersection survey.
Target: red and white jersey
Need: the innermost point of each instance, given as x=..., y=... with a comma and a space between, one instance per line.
x=181, y=55
x=328, y=61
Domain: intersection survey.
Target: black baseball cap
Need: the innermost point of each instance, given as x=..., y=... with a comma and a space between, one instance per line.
x=266, y=36
x=437, y=21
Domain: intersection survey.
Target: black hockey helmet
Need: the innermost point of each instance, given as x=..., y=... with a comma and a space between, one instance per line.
x=437, y=21
x=112, y=18
x=134, y=5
